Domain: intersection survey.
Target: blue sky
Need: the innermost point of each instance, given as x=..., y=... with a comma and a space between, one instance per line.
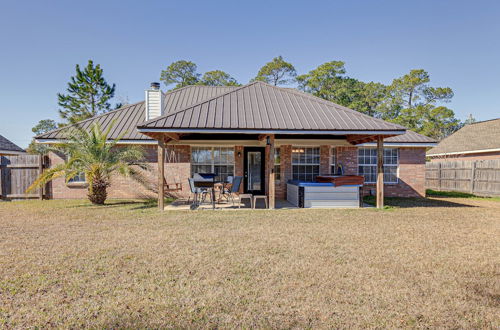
x=457, y=42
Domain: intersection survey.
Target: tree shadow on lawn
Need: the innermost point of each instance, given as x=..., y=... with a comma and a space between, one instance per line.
x=399, y=202
x=142, y=204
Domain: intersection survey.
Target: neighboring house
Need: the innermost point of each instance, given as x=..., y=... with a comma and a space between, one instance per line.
x=9, y=148
x=224, y=129
x=477, y=141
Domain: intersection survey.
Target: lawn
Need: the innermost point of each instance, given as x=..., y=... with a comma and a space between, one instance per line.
x=70, y=264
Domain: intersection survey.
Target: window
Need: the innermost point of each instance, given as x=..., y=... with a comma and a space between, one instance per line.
x=277, y=164
x=305, y=163
x=218, y=160
x=79, y=178
x=333, y=161
x=367, y=160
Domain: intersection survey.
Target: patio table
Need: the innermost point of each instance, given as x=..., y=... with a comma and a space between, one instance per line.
x=210, y=185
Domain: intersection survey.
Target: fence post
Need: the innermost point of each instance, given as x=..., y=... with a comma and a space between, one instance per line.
x=40, y=171
x=1, y=178
x=439, y=176
x=472, y=176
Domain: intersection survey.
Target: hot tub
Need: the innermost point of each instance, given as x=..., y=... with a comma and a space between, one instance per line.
x=322, y=195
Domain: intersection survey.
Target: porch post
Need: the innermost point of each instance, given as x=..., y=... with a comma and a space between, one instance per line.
x=271, y=185
x=380, y=172
x=161, y=172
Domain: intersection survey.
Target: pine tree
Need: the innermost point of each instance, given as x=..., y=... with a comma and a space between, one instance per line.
x=88, y=94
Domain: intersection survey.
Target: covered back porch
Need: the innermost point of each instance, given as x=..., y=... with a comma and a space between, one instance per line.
x=274, y=151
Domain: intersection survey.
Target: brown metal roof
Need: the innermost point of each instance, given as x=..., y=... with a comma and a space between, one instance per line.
x=260, y=106
x=410, y=137
x=254, y=105
x=6, y=146
x=477, y=136
x=127, y=118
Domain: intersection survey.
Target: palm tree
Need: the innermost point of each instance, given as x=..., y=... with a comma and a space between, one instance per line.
x=90, y=152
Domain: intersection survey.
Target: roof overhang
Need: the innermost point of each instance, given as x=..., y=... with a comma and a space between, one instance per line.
x=57, y=141
x=11, y=152
x=264, y=131
x=479, y=151
x=402, y=144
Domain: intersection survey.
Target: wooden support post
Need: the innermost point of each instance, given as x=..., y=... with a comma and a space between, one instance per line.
x=380, y=172
x=40, y=171
x=271, y=182
x=161, y=173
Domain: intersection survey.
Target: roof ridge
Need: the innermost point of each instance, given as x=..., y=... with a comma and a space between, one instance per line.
x=196, y=104
x=484, y=121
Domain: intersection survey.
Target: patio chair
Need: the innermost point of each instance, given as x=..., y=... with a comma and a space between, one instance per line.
x=234, y=188
x=194, y=191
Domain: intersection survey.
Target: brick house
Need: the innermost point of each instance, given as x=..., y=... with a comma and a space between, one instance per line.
x=476, y=141
x=296, y=135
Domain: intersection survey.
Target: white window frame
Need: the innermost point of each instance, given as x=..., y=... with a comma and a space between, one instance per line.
x=277, y=164
x=333, y=160
x=305, y=164
x=212, y=162
x=79, y=178
x=386, y=164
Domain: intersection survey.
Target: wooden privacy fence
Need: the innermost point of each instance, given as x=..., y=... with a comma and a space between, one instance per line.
x=479, y=177
x=17, y=173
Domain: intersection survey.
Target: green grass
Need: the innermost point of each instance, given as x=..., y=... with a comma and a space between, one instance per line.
x=457, y=194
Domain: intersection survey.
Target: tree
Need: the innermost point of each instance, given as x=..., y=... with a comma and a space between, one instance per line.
x=469, y=120
x=217, y=78
x=439, y=122
x=325, y=81
x=413, y=104
x=88, y=94
x=277, y=72
x=370, y=98
x=182, y=73
x=43, y=126
x=90, y=152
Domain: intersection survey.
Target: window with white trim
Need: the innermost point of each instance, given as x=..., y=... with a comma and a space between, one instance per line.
x=305, y=163
x=367, y=164
x=218, y=160
x=277, y=164
x=79, y=178
x=333, y=161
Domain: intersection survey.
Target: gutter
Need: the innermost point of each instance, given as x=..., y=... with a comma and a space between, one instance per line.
x=11, y=152
x=465, y=152
x=260, y=131
x=401, y=144
x=55, y=141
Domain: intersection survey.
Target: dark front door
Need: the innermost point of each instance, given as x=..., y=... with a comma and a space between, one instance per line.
x=254, y=172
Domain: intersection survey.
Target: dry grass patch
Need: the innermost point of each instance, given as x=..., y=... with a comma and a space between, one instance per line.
x=70, y=264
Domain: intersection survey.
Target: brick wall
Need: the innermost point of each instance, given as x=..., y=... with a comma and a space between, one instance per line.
x=177, y=169
x=122, y=187
x=348, y=157
x=411, y=181
x=324, y=160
